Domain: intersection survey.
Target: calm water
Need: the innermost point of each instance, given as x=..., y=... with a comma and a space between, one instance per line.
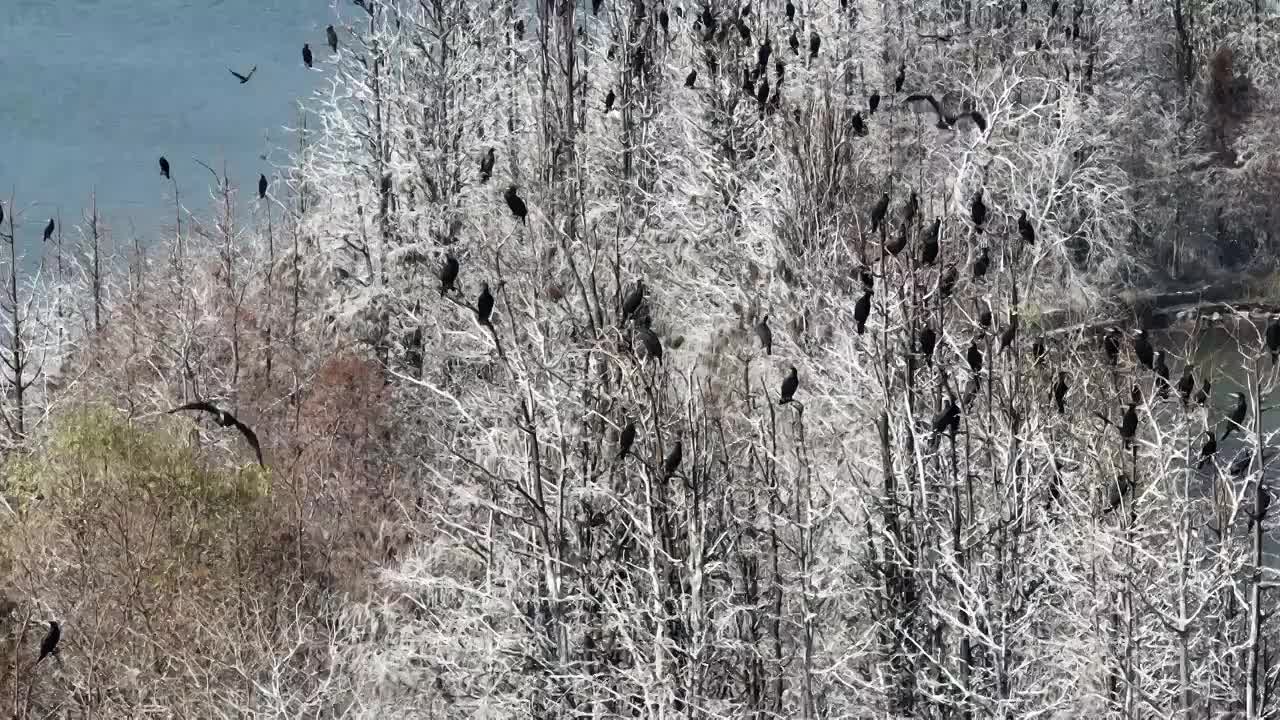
x=92, y=92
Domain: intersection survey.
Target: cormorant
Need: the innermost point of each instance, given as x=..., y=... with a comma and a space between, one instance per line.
x=1060, y=392
x=225, y=419
x=762, y=55
x=780, y=68
x=632, y=302
x=1053, y=9
x=673, y=461
x=789, y=386
x=858, y=126
x=971, y=389
x=484, y=305
x=332, y=36
x=243, y=78
x=1010, y=332
x=1023, y=7
x=49, y=645
x=652, y=344
x=516, y=203
x=1135, y=395
x=1129, y=425
x=48, y=230
x=486, y=165
x=1142, y=349
x=1236, y=419
x=929, y=251
x=306, y=55
x=262, y=186
x=1038, y=350
x=794, y=42
x=626, y=438
x=1208, y=449
x=911, y=208
x=981, y=264
x=664, y=20
x=947, y=419
x=691, y=78
x=1162, y=374
x=790, y=11
x=926, y=341
x=1260, y=514
x=947, y=284
x=984, y=314
x=862, y=311
x=608, y=101
x=164, y=168
x=765, y=334
x=973, y=356
x=873, y=102
x=595, y=7
x=901, y=78
x=1273, y=339
x=978, y=210
x=868, y=279
x=878, y=212
x=762, y=91
x=1025, y=229
x=1202, y=396
x=448, y=273
x=1186, y=383
x=1111, y=345
x=815, y=43
x=896, y=245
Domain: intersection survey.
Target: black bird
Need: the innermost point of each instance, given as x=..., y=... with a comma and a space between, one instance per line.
x=484, y=306
x=49, y=645
x=1060, y=392
x=981, y=264
x=516, y=204
x=486, y=165
x=859, y=127
x=878, y=212
x=929, y=252
x=595, y=7
x=924, y=103
x=910, y=209
x=608, y=101
x=519, y=33
x=1273, y=336
x=794, y=42
x=896, y=245
x=1026, y=229
x=973, y=356
x=1236, y=419
x=691, y=78
x=1053, y=9
x=1023, y=7
x=947, y=284
x=789, y=386
x=1135, y=395
x=780, y=68
x=448, y=273
x=926, y=341
x=862, y=311
x=306, y=55
x=1143, y=350
x=225, y=419
x=868, y=279
x=978, y=211
x=984, y=315
x=1260, y=513
x=1038, y=350
x=1, y=212
x=332, y=36
x=1186, y=383
x=971, y=389
x=164, y=168
x=762, y=92
x=48, y=230
x=765, y=334
x=1208, y=449
x=673, y=461
x=790, y=11
x=652, y=344
x=1162, y=374
x=1129, y=425
x=901, y=78
x=262, y=186
x=243, y=78
x=1010, y=332
x=1111, y=345
x=626, y=438
x=873, y=102
x=762, y=55
x=815, y=43
x=748, y=82
x=1202, y=396
x=947, y=419
x=632, y=302
x=664, y=20
x=744, y=32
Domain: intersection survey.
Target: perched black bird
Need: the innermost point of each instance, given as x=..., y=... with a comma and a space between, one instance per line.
x=901, y=78
x=1208, y=449
x=1129, y=425
x=332, y=36
x=859, y=127
x=486, y=165
x=626, y=438
x=978, y=211
x=1162, y=374
x=632, y=302
x=794, y=42
x=484, y=306
x=1135, y=395
x=926, y=341
x=652, y=344
x=448, y=273
x=981, y=264
x=973, y=356
x=672, y=462
x=48, y=230
x=1202, y=396
x=519, y=33
x=984, y=314
x=1143, y=350
x=948, y=419
x=516, y=203
x=947, y=284
x=765, y=334
x=862, y=311
x=1023, y=7
x=164, y=168
x=691, y=78
x=1053, y=9
x=868, y=278
x=1236, y=419
x=1010, y=333
x=1273, y=336
x=1060, y=389
x=896, y=245
x=243, y=78
x=1038, y=350
x=1260, y=513
x=595, y=7
x=664, y=20
x=873, y=103
x=911, y=208
x=225, y=419
x=1111, y=345
x=790, y=11
x=49, y=645
x=878, y=212
x=789, y=386
x=762, y=55
x=815, y=43
x=780, y=68
x=262, y=186
x=306, y=55
x=608, y=101
x=1026, y=229
x=929, y=251
x=1186, y=383
x=762, y=91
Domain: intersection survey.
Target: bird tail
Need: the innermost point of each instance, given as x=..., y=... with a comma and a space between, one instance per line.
x=1230, y=427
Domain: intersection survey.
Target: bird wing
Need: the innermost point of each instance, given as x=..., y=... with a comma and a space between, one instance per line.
x=252, y=437
x=241, y=78
x=198, y=405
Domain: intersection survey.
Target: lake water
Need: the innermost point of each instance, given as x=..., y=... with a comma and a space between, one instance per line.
x=94, y=91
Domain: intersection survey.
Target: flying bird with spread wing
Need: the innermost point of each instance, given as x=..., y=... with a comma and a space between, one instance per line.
x=243, y=78
x=225, y=419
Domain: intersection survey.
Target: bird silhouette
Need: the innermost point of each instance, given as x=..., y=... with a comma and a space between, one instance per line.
x=947, y=420
x=1203, y=394
x=815, y=44
x=873, y=103
x=1273, y=333
x=1162, y=374
x=516, y=203
x=973, y=356
x=762, y=55
x=926, y=341
x=1111, y=345
x=691, y=78
x=896, y=245
x=1237, y=416
x=484, y=306
x=225, y=419
x=1010, y=333
x=608, y=101
x=1186, y=383
x=486, y=165
x=901, y=78
x=862, y=311
x=48, y=230
x=947, y=283
x=765, y=334
x=164, y=167
x=626, y=438
x=1060, y=389
x=790, y=11
x=1208, y=449
x=49, y=645
x=981, y=264
x=762, y=91
x=929, y=250
x=243, y=78
x=1, y=212
x=978, y=211
x=790, y=384
x=651, y=342
x=1038, y=350
x=794, y=42
x=306, y=55
x=672, y=463
x=632, y=302
x=1143, y=350
x=332, y=36
x=262, y=186
x=448, y=273
x=878, y=211
x=1026, y=229
x=924, y=103
x=664, y=20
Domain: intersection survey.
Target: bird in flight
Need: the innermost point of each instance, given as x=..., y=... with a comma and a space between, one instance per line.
x=243, y=78
x=225, y=419
x=49, y=646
